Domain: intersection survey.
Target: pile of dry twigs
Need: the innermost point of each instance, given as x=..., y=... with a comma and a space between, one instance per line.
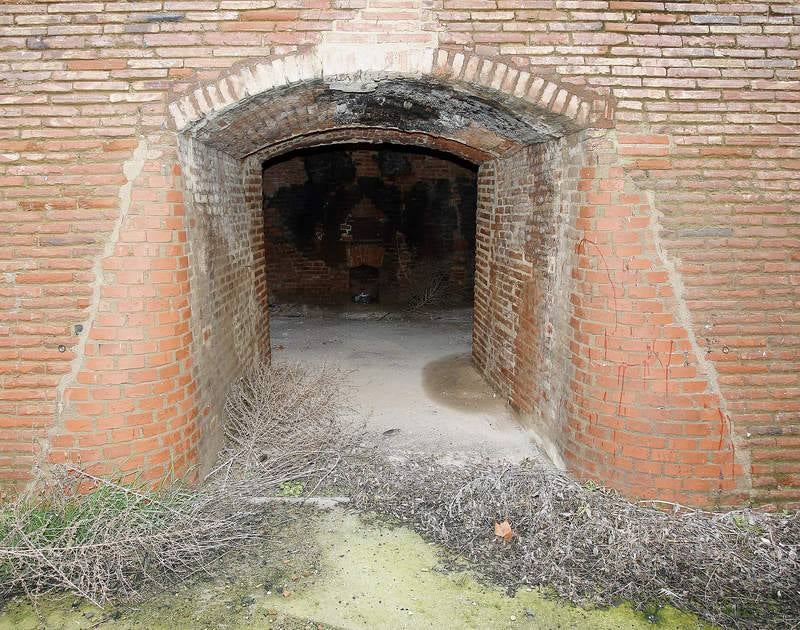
x=286, y=424
x=111, y=542
x=737, y=569
x=118, y=541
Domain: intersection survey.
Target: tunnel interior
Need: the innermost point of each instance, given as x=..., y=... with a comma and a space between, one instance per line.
x=367, y=193
x=370, y=224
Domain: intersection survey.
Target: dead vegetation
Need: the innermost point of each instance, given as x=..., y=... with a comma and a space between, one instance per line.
x=589, y=545
x=429, y=282
x=116, y=542
x=110, y=543
x=285, y=424
x=291, y=433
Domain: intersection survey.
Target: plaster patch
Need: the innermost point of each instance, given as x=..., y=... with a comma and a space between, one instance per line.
x=132, y=168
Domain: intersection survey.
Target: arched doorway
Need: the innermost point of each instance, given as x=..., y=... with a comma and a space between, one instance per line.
x=509, y=124
x=563, y=241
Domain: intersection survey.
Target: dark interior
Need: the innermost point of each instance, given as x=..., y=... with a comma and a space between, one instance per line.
x=365, y=223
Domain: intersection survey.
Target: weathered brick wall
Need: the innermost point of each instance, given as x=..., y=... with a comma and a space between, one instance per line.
x=229, y=325
x=293, y=276
x=430, y=188
x=647, y=412
x=522, y=313
x=126, y=405
x=705, y=154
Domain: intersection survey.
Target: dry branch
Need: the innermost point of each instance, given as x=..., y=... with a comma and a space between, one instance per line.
x=738, y=569
x=284, y=425
x=108, y=543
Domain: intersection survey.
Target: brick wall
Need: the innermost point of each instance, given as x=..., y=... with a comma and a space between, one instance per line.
x=522, y=310
x=699, y=174
x=229, y=326
x=293, y=275
x=422, y=205
x=127, y=406
x=647, y=412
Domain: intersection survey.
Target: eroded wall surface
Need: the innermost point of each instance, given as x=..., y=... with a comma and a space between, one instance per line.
x=229, y=324
x=700, y=175
x=580, y=325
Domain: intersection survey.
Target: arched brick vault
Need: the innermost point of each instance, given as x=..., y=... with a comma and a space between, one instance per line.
x=576, y=320
x=468, y=106
x=536, y=108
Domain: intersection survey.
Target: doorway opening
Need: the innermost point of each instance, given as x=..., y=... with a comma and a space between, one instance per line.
x=525, y=144
x=360, y=224
x=370, y=266
x=573, y=301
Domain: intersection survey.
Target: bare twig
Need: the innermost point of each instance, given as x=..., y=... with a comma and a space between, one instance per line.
x=284, y=425
x=738, y=569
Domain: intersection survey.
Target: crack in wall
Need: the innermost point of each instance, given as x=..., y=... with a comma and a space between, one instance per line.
x=683, y=316
x=131, y=168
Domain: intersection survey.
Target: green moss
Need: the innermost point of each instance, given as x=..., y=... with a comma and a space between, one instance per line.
x=291, y=489
x=340, y=571
x=380, y=577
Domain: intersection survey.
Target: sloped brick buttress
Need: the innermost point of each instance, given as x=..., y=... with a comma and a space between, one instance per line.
x=582, y=320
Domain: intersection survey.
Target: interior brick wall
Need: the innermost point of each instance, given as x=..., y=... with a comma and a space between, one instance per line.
x=225, y=241
x=700, y=174
x=292, y=275
x=306, y=275
x=522, y=309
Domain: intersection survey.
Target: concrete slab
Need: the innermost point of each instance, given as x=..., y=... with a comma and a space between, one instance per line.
x=412, y=377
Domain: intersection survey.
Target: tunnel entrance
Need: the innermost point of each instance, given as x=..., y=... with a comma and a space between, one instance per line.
x=576, y=324
x=580, y=321
x=370, y=224
x=428, y=179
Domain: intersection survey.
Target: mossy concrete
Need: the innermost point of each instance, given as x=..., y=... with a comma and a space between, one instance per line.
x=338, y=570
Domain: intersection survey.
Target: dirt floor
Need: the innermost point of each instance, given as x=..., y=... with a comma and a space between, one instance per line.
x=411, y=376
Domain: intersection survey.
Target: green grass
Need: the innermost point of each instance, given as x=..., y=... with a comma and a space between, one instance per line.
x=72, y=520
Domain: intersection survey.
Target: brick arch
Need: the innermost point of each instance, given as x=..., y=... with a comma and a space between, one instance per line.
x=143, y=398
x=576, y=324
x=575, y=320
x=559, y=108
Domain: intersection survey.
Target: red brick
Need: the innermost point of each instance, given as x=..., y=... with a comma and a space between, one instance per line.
x=689, y=124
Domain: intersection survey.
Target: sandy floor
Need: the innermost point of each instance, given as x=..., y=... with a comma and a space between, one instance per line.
x=412, y=377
